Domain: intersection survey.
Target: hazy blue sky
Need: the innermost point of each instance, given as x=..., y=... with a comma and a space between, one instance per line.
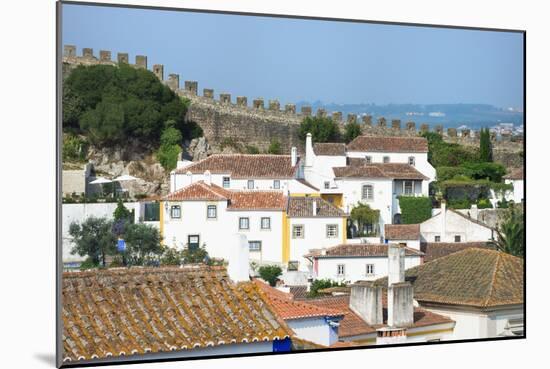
x=295, y=60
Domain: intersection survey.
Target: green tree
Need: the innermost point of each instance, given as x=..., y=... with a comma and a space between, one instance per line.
x=320, y=284
x=171, y=256
x=511, y=232
x=275, y=147
x=143, y=242
x=366, y=218
x=169, y=149
x=353, y=129
x=122, y=213
x=322, y=129
x=485, y=147
x=94, y=239
x=270, y=273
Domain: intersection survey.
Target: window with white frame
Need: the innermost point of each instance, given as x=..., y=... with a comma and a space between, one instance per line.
x=408, y=187
x=367, y=192
x=244, y=223
x=266, y=223
x=437, y=239
x=327, y=185
x=386, y=159
x=298, y=231
x=276, y=184
x=250, y=184
x=211, y=211
x=332, y=230
x=368, y=159
x=411, y=160
x=226, y=182
x=369, y=270
x=175, y=211
x=255, y=246
x=340, y=270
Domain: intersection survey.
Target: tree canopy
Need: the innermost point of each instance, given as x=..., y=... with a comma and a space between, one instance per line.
x=322, y=129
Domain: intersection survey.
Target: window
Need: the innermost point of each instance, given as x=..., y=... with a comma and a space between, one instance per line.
x=340, y=269
x=193, y=241
x=244, y=223
x=367, y=192
x=255, y=245
x=250, y=184
x=332, y=230
x=297, y=231
x=211, y=211
x=408, y=187
x=266, y=223
x=175, y=211
x=457, y=238
x=226, y=182
x=276, y=184
x=386, y=159
x=368, y=159
x=437, y=239
x=411, y=160
x=370, y=269
x=327, y=185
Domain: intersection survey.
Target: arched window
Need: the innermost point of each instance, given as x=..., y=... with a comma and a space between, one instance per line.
x=367, y=192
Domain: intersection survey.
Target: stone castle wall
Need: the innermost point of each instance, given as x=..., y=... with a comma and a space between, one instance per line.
x=257, y=122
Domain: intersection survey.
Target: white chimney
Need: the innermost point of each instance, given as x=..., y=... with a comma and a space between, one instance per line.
x=396, y=264
x=189, y=178
x=293, y=156
x=207, y=177
x=443, y=219
x=366, y=301
x=173, y=181
x=314, y=208
x=400, y=293
x=474, y=212
x=238, y=266
x=309, y=151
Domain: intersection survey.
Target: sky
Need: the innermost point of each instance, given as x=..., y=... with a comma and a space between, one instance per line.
x=297, y=60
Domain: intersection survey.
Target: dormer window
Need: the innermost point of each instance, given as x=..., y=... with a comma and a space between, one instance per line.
x=386, y=159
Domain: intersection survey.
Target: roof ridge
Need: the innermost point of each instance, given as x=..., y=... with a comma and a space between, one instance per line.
x=493, y=280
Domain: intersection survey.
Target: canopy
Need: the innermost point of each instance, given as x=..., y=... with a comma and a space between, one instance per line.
x=124, y=177
x=100, y=180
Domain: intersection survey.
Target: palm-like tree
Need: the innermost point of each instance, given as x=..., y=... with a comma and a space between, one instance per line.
x=510, y=233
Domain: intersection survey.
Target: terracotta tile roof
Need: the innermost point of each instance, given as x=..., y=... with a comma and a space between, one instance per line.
x=329, y=149
x=388, y=144
x=516, y=173
x=472, y=277
x=359, y=168
x=402, y=231
x=287, y=308
x=120, y=311
x=303, y=207
x=257, y=200
x=199, y=191
x=434, y=250
x=353, y=325
x=245, y=166
x=358, y=250
x=299, y=292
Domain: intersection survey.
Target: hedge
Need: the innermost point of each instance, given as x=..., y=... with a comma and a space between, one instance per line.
x=415, y=210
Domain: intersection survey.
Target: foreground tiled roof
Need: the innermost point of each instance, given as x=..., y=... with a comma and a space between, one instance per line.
x=353, y=325
x=329, y=149
x=516, y=173
x=434, y=250
x=114, y=312
x=287, y=308
x=257, y=200
x=245, y=166
x=299, y=292
x=360, y=169
x=199, y=191
x=303, y=207
x=388, y=144
x=472, y=277
x=358, y=250
x=402, y=231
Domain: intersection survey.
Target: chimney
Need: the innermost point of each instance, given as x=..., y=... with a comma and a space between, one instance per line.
x=314, y=208
x=238, y=267
x=443, y=229
x=400, y=293
x=366, y=301
x=474, y=212
x=189, y=178
x=293, y=156
x=309, y=151
x=207, y=177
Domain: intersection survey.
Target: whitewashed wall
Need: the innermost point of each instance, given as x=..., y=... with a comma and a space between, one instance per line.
x=314, y=330
x=321, y=170
x=455, y=225
x=517, y=194
x=355, y=267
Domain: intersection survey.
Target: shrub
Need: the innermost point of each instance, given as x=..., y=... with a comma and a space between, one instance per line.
x=251, y=149
x=74, y=148
x=320, y=284
x=275, y=148
x=460, y=203
x=194, y=256
x=167, y=155
x=171, y=256
x=270, y=273
x=490, y=171
x=322, y=129
x=415, y=210
x=352, y=130
x=122, y=213
x=484, y=204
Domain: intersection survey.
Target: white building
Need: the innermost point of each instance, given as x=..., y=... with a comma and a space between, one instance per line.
x=408, y=234
x=356, y=262
x=515, y=178
x=486, y=301
x=448, y=225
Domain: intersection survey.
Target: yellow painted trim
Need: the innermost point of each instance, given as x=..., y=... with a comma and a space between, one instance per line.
x=161, y=218
x=344, y=230
x=422, y=333
x=314, y=194
x=286, y=238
